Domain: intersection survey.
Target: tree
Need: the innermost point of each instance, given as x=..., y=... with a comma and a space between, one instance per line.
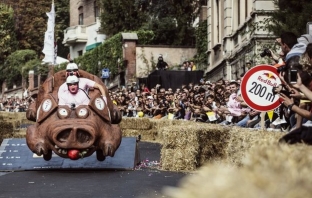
x=61, y=23
x=201, y=44
x=31, y=23
x=122, y=15
x=291, y=16
x=173, y=21
x=12, y=69
x=8, y=42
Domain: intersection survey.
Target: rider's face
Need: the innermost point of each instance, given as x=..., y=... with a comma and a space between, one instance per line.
x=73, y=87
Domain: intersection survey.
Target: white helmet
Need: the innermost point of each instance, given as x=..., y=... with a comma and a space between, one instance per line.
x=72, y=79
x=71, y=66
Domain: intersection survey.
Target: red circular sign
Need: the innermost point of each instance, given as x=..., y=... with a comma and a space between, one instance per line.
x=257, y=85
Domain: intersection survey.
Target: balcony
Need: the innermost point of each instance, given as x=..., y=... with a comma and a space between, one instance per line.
x=75, y=34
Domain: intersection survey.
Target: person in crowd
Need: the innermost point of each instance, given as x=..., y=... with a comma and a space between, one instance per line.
x=193, y=66
x=287, y=41
x=161, y=64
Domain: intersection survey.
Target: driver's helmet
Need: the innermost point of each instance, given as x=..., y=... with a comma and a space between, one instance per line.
x=72, y=79
x=72, y=66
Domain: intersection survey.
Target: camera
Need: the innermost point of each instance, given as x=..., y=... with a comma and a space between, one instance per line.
x=72, y=106
x=266, y=52
x=293, y=76
x=283, y=68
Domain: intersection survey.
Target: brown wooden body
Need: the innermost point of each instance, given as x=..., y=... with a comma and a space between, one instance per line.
x=87, y=128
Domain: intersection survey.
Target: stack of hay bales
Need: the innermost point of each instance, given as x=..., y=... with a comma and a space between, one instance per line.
x=160, y=124
x=6, y=130
x=10, y=123
x=133, y=127
x=188, y=146
x=242, y=140
x=14, y=118
x=268, y=170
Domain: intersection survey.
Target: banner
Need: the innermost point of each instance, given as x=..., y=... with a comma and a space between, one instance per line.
x=49, y=46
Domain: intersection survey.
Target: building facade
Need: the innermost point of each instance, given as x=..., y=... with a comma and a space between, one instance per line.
x=233, y=46
x=83, y=32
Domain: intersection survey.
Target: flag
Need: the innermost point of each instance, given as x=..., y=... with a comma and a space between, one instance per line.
x=49, y=46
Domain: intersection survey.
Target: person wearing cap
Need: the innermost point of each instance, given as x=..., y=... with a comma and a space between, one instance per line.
x=161, y=64
x=84, y=83
x=73, y=96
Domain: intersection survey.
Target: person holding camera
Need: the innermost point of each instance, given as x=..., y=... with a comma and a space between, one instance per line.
x=296, y=77
x=161, y=64
x=302, y=132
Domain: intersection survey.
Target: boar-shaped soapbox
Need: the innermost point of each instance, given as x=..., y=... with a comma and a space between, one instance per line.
x=72, y=132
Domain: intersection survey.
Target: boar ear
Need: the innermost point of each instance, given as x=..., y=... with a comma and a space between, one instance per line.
x=46, y=108
x=98, y=105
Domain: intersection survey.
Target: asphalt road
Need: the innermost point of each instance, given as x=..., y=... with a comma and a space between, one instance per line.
x=145, y=181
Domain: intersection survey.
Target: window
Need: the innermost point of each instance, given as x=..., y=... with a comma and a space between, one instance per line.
x=96, y=10
x=218, y=20
x=246, y=8
x=235, y=38
x=238, y=12
x=80, y=53
x=80, y=11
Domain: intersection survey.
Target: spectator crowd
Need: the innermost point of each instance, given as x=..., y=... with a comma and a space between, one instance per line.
x=210, y=102
x=14, y=104
x=221, y=101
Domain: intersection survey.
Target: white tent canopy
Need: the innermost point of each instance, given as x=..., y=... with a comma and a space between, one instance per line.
x=59, y=60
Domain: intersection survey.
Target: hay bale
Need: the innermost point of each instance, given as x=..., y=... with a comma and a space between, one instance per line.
x=6, y=130
x=135, y=123
x=213, y=143
x=269, y=170
x=179, y=159
x=198, y=141
x=161, y=124
x=15, y=123
x=12, y=116
x=242, y=139
x=146, y=135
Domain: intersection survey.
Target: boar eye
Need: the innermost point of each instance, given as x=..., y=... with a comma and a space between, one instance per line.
x=83, y=112
x=63, y=113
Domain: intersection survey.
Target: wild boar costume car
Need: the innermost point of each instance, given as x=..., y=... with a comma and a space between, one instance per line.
x=72, y=132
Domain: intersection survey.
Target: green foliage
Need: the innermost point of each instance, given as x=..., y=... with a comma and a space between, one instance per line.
x=145, y=37
x=8, y=42
x=33, y=64
x=31, y=23
x=108, y=53
x=60, y=67
x=292, y=16
x=125, y=15
x=171, y=21
x=12, y=69
x=61, y=23
x=201, y=44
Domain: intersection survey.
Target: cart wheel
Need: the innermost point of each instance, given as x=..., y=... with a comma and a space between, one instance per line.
x=48, y=156
x=99, y=155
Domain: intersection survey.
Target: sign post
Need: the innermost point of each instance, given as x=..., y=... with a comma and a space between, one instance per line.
x=257, y=89
x=105, y=75
x=309, y=28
